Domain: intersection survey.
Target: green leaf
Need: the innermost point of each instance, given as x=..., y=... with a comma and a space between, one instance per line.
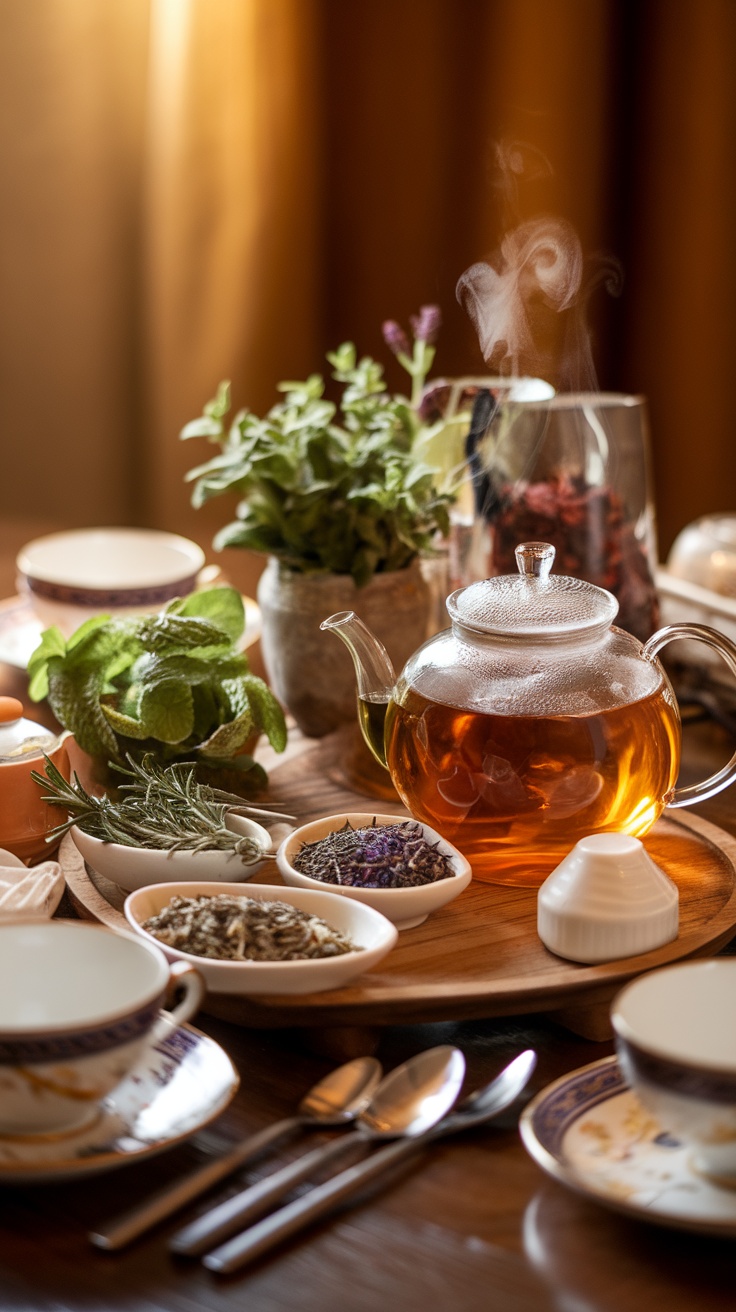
x=124, y=724
x=74, y=696
x=267, y=711
x=90, y=626
x=228, y=739
x=166, y=711
x=219, y=406
x=223, y=607
x=52, y=644
x=169, y=633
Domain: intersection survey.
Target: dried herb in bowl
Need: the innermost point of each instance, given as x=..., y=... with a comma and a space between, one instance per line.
x=375, y=856
x=162, y=807
x=226, y=928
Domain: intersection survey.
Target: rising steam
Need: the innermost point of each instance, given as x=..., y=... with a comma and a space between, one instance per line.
x=529, y=305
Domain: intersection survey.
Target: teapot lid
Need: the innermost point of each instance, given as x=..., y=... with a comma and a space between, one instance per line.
x=533, y=604
x=18, y=736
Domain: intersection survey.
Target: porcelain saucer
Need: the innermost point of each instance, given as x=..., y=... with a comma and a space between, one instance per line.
x=589, y=1131
x=20, y=632
x=182, y=1084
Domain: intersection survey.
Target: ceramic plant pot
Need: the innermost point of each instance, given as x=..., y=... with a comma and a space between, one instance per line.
x=310, y=673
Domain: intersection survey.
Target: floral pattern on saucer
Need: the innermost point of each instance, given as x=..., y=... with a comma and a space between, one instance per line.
x=181, y=1085
x=589, y=1131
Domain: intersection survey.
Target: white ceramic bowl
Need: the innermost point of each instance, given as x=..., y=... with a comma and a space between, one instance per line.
x=675, y=1032
x=71, y=576
x=405, y=907
x=374, y=935
x=135, y=867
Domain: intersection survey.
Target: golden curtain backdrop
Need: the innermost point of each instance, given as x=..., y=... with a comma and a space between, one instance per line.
x=207, y=189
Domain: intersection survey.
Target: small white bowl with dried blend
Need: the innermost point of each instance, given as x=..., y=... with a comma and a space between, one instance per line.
x=394, y=864
x=261, y=938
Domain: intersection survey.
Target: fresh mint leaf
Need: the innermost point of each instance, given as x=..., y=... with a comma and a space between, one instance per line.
x=166, y=711
x=52, y=644
x=89, y=626
x=267, y=712
x=223, y=607
x=74, y=696
x=169, y=633
x=124, y=724
x=228, y=739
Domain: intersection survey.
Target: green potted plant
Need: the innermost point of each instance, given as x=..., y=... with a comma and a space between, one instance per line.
x=339, y=498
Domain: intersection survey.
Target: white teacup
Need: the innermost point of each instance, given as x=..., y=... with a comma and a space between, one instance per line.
x=79, y=1006
x=676, y=1041
x=70, y=576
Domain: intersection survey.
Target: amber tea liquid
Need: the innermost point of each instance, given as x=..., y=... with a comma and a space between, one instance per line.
x=515, y=792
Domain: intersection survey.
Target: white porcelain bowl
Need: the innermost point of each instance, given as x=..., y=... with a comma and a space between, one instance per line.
x=73, y=575
x=370, y=931
x=135, y=867
x=405, y=907
x=675, y=1034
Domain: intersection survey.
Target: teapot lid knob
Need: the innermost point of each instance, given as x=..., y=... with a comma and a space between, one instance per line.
x=535, y=559
x=11, y=709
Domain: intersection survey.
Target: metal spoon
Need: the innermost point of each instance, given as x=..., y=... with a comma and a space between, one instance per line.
x=475, y=1110
x=335, y=1100
x=406, y=1103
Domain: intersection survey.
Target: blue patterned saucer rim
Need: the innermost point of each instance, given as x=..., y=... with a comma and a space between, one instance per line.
x=588, y=1131
x=144, y=1116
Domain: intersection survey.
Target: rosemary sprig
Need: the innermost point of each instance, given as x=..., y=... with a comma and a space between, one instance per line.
x=163, y=807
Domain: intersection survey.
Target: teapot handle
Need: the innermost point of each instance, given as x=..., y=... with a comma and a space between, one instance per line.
x=718, y=642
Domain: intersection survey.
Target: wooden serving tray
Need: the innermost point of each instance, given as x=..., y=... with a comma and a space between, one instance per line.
x=478, y=957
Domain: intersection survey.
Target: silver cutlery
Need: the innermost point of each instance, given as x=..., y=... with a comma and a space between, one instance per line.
x=406, y=1103
x=475, y=1110
x=334, y=1101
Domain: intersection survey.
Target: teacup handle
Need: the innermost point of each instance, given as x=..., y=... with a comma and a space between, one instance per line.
x=181, y=975
x=718, y=642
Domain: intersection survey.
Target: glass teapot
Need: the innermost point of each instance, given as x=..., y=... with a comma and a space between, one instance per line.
x=531, y=722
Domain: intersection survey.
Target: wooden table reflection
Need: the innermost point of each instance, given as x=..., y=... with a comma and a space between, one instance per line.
x=473, y=1224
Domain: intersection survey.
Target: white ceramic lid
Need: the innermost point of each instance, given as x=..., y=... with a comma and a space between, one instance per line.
x=533, y=604
x=19, y=736
x=606, y=900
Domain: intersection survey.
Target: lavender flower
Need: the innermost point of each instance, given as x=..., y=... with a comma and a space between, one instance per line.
x=395, y=337
x=426, y=325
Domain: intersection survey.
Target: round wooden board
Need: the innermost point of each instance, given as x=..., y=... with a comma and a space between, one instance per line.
x=481, y=955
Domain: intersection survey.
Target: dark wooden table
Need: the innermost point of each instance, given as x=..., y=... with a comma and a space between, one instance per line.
x=473, y=1224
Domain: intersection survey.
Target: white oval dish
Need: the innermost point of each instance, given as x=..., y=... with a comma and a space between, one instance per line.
x=135, y=867
x=372, y=932
x=405, y=907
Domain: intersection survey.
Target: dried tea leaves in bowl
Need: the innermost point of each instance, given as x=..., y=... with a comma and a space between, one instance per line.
x=377, y=856
x=228, y=928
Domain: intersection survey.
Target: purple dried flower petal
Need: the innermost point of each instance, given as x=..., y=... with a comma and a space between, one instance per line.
x=379, y=856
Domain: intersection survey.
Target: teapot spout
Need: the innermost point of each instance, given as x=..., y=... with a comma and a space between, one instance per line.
x=374, y=675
